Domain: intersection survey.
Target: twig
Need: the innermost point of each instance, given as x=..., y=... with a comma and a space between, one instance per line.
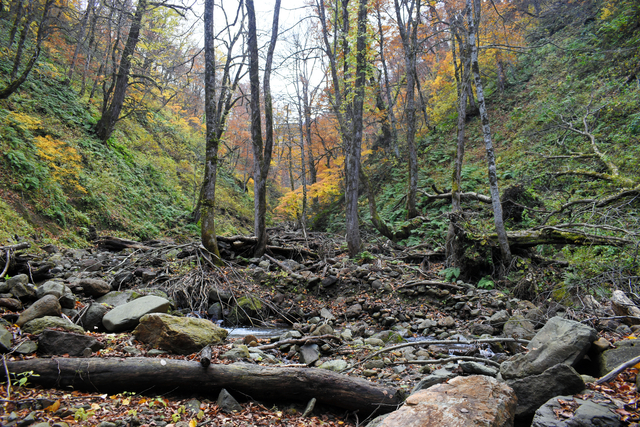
x=440, y=342
x=614, y=373
x=6, y=371
x=447, y=360
x=298, y=341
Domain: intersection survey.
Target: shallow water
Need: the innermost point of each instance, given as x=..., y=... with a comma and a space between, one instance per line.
x=258, y=332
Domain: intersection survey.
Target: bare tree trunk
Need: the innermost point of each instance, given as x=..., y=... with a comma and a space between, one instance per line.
x=262, y=150
x=218, y=104
x=453, y=247
x=486, y=133
x=409, y=36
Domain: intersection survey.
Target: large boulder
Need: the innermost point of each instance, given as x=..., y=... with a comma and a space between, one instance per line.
x=48, y=305
x=596, y=411
x=127, y=316
x=559, y=341
x=182, y=335
x=535, y=390
x=60, y=291
x=623, y=306
x=464, y=401
x=59, y=343
x=37, y=326
x=5, y=340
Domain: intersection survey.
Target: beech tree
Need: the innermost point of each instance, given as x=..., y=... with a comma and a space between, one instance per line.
x=262, y=148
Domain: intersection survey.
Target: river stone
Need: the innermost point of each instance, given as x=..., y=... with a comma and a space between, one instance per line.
x=237, y=353
x=37, y=326
x=623, y=306
x=11, y=303
x=353, y=311
x=52, y=287
x=117, y=298
x=323, y=329
x=19, y=279
x=535, y=390
x=464, y=401
x=45, y=306
x=227, y=403
x=334, y=365
x=23, y=291
x=309, y=353
x=91, y=319
x=519, y=327
x=181, y=335
x=326, y=314
x=94, y=287
x=559, y=341
x=59, y=343
x=246, y=307
x=436, y=377
x=597, y=411
x=5, y=340
x=624, y=351
x=499, y=319
x=27, y=347
x=478, y=369
x=127, y=316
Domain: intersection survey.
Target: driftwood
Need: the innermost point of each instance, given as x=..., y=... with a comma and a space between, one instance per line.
x=614, y=373
x=116, y=244
x=436, y=283
x=153, y=375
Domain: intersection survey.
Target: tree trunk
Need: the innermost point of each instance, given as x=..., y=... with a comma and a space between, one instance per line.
x=153, y=375
x=262, y=150
x=486, y=133
x=111, y=113
x=453, y=246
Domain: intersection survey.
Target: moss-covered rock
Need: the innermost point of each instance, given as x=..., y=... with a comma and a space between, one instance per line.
x=246, y=308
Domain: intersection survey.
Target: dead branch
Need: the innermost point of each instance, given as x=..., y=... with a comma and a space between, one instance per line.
x=300, y=341
x=614, y=373
x=449, y=359
x=463, y=196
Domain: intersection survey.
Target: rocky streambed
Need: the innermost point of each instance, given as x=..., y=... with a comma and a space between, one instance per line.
x=390, y=319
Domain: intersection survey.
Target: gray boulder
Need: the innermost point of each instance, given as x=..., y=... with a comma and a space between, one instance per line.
x=182, y=335
x=478, y=369
x=37, y=326
x=51, y=287
x=127, y=316
x=535, y=390
x=597, y=411
x=48, y=305
x=19, y=279
x=334, y=365
x=463, y=401
x=559, y=341
x=499, y=319
x=519, y=327
x=59, y=343
x=94, y=287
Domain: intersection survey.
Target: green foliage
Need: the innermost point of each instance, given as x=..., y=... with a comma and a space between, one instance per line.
x=22, y=379
x=486, y=283
x=450, y=274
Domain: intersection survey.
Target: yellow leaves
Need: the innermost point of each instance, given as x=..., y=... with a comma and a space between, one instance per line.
x=63, y=161
x=24, y=121
x=193, y=423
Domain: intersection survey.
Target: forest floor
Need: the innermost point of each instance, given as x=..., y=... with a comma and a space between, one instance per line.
x=388, y=288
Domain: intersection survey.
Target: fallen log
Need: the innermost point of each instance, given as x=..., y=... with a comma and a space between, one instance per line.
x=553, y=236
x=154, y=375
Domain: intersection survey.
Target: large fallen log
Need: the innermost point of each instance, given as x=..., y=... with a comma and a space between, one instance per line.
x=554, y=236
x=155, y=375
